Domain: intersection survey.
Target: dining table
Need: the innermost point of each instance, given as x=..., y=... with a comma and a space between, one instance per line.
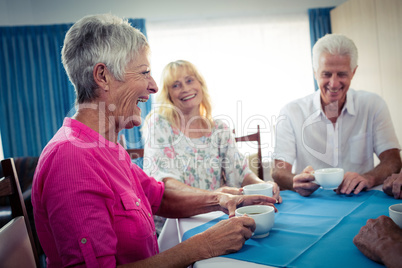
x=313, y=231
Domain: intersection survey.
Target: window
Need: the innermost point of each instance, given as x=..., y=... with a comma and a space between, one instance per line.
x=252, y=66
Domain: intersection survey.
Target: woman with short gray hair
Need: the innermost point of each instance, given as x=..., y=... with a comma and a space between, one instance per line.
x=92, y=206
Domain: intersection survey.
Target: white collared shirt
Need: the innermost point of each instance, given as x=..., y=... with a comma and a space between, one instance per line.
x=306, y=137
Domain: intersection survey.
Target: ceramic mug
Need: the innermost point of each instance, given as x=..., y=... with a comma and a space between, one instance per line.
x=264, y=217
x=258, y=189
x=328, y=178
x=395, y=213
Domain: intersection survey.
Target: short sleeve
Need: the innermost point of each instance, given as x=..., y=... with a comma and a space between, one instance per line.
x=74, y=173
x=383, y=130
x=158, y=149
x=285, y=145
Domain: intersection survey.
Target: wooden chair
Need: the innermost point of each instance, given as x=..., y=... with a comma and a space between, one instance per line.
x=257, y=138
x=17, y=245
x=134, y=153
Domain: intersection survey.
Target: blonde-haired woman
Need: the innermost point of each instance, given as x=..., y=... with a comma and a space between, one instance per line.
x=200, y=108
x=184, y=142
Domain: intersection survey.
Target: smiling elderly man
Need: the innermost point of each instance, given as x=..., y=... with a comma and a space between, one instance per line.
x=335, y=127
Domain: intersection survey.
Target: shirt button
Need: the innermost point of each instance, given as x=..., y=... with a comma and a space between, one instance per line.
x=149, y=214
x=137, y=203
x=83, y=241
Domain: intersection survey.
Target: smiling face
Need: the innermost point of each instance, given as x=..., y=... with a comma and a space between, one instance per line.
x=334, y=76
x=125, y=95
x=186, y=92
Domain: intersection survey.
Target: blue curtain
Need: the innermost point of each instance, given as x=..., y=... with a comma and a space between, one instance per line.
x=320, y=25
x=35, y=93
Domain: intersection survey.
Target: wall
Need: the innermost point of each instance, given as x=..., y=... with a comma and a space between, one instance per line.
x=376, y=28
x=29, y=12
x=40, y=12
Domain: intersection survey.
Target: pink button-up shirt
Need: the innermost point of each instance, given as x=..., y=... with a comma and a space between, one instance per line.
x=92, y=206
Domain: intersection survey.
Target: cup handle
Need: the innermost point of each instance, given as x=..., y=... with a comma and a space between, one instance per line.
x=314, y=181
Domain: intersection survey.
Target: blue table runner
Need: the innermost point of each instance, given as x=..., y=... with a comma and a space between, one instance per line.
x=314, y=231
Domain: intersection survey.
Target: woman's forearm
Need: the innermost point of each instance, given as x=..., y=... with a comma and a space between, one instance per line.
x=182, y=255
x=180, y=200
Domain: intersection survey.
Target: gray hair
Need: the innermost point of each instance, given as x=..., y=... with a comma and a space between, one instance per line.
x=99, y=39
x=335, y=44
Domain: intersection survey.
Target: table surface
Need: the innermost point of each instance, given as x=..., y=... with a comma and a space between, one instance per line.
x=174, y=230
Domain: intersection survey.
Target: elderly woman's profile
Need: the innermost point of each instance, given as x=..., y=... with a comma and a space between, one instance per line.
x=92, y=206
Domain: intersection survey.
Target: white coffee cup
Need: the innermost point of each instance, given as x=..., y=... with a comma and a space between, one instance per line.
x=328, y=178
x=264, y=217
x=258, y=189
x=395, y=213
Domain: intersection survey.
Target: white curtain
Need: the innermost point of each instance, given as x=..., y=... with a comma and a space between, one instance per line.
x=252, y=66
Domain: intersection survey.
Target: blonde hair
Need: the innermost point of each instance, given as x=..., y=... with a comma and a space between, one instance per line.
x=165, y=105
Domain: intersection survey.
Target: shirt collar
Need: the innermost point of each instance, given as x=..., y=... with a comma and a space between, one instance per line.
x=349, y=106
x=350, y=102
x=94, y=136
x=317, y=103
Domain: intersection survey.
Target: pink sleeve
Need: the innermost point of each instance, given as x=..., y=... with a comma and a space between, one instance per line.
x=153, y=189
x=81, y=215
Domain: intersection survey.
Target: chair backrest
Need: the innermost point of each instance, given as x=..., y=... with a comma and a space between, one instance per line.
x=257, y=138
x=134, y=153
x=10, y=187
x=15, y=245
